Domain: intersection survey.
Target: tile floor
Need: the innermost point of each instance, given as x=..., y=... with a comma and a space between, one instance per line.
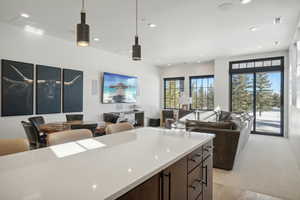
x=222, y=192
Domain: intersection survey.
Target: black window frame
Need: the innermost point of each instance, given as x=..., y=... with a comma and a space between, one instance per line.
x=190, y=88
x=170, y=79
x=255, y=70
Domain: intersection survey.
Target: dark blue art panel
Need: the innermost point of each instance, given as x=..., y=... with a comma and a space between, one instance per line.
x=16, y=88
x=48, y=89
x=72, y=91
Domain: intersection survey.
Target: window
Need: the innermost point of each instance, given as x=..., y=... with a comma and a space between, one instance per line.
x=172, y=89
x=259, y=91
x=202, y=92
x=250, y=64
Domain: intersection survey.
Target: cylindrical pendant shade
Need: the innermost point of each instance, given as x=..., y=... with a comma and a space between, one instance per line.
x=136, y=50
x=83, y=32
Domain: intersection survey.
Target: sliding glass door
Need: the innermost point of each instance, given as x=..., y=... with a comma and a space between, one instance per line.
x=268, y=102
x=257, y=88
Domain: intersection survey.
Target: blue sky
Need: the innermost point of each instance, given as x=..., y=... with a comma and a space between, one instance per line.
x=275, y=79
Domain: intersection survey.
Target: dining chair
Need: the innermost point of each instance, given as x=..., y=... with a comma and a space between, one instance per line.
x=10, y=146
x=68, y=136
x=31, y=134
x=75, y=117
x=120, y=127
x=91, y=127
x=36, y=122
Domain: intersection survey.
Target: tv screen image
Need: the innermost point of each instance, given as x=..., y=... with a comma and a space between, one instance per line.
x=119, y=88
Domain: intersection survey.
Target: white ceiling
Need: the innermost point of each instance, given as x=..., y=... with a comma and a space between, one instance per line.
x=187, y=30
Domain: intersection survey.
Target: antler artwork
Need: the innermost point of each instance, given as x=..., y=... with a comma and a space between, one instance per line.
x=73, y=81
x=20, y=87
x=14, y=83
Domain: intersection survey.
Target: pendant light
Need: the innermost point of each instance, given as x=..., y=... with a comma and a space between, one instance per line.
x=83, y=29
x=136, y=48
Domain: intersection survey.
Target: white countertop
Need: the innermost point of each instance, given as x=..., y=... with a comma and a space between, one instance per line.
x=94, y=172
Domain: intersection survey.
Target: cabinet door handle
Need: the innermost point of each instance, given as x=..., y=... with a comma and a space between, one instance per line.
x=205, y=181
x=193, y=185
x=193, y=159
x=164, y=175
x=208, y=148
x=170, y=185
x=161, y=186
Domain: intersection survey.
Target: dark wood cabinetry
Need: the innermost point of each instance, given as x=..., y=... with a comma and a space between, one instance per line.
x=175, y=181
x=149, y=190
x=195, y=181
x=188, y=179
x=207, y=167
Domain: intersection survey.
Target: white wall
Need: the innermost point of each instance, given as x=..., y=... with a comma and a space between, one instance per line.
x=222, y=79
x=294, y=104
x=19, y=45
x=185, y=70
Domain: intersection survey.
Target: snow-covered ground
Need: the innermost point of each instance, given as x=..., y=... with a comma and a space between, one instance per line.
x=268, y=121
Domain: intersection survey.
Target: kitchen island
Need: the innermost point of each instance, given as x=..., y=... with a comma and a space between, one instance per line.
x=144, y=164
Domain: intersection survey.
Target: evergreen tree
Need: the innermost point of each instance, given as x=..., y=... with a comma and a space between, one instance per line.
x=201, y=96
x=241, y=94
x=210, y=98
x=276, y=100
x=264, y=97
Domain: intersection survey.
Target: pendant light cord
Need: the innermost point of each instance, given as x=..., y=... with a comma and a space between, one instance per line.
x=136, y=18
x=83, y=6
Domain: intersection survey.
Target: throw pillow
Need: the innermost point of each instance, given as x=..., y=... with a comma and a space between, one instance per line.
x=191, y=116
x=225, y=116
x=208, y=116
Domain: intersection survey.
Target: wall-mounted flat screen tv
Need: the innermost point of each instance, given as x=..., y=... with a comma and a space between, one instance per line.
x=118, y=88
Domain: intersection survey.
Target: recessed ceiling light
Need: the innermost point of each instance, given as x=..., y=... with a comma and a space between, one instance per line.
x=34, y=30
x=253, y=28
x=277, y=20
x=276, y=43
x=24, y=15
x=260, y=47
x=96, y=39
x=169, y=64
x=246, y=1
x=151, y=25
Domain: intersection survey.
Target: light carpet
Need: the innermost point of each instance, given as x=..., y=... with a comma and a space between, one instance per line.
x=266, y=165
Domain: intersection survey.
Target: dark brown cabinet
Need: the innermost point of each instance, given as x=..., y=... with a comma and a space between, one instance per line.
x=149, y=190
x=195, y=181
x=188, y=179
x=207, y=178
x=174, y=181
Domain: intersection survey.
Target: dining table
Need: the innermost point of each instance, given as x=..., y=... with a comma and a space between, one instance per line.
x=54, y=127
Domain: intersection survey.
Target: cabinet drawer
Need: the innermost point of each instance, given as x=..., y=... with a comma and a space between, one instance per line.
x=207, y=149
x=195, y=159
x=195, y=183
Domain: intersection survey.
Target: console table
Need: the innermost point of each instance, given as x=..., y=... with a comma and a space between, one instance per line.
x=139, y=117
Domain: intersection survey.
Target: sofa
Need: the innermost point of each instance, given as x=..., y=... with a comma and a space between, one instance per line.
x=232, y=132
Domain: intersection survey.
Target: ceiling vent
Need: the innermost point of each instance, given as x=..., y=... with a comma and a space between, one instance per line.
x=225, y=6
